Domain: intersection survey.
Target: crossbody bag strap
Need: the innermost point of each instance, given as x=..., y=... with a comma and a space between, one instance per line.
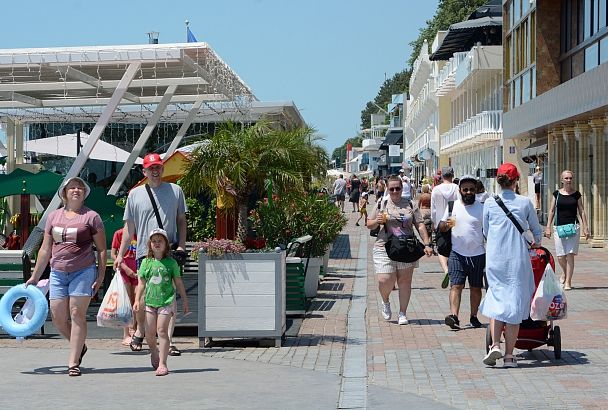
x=556, y=200
x=509, y=214
x=158, y=220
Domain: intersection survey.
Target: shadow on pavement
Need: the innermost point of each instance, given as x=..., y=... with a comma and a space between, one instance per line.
x=341, y=248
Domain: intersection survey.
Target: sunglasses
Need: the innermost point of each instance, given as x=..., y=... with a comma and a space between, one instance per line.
x=397, y=189
x=473, y=190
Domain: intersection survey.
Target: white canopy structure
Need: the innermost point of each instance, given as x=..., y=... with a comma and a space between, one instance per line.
x=65, y=146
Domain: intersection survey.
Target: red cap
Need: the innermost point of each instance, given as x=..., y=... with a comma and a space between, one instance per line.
x=509, y=170
x=152, y=159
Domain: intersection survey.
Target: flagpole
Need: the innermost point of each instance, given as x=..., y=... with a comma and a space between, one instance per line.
x=187, y=23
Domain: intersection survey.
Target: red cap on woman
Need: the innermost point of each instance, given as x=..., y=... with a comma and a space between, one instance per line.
x=508, y=169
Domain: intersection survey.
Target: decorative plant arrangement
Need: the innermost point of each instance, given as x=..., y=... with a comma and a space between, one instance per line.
x=216, y=248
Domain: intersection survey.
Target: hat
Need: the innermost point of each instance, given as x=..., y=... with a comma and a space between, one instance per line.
x=465, y=178
x=402, y=171
x=152, y=159
x=158, y=231
x=87, y=189
x=363, y=193
x=509, y=170
x=447, y=171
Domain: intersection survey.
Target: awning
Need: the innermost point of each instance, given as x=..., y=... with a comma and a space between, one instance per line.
x=464, y=35
x=534, y=150
x=392, y=137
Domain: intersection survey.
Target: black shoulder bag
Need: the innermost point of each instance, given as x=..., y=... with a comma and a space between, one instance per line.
x=179, y=255
x=444, y=239
x=404, y=248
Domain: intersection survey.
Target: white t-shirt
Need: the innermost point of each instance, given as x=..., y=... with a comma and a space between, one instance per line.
x=440, y=196
x=467, y=234
x=406, y=191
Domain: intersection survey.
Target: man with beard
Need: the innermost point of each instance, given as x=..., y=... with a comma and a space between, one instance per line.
x=467, y=259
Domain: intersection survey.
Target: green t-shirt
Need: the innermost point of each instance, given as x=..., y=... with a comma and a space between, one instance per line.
x=159, y=280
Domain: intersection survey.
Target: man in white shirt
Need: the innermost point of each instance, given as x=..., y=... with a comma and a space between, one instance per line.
x=406, y=191
x=467, y=259
x=340, y=191
x=440, y=196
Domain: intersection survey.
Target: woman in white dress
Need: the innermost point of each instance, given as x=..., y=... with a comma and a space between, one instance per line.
x=508, y=267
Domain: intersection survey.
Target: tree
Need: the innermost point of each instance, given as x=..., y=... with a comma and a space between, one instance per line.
x=397, y=84
x=238, y=161
x=340, y=152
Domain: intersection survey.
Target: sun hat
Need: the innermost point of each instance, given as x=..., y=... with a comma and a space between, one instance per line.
x=87, y=189
x=152, y=159
x=508, y=169
x=466, y=178
x=158, y=231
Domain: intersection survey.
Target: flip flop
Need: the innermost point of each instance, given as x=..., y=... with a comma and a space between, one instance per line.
x=162, y=371
x=174, y=351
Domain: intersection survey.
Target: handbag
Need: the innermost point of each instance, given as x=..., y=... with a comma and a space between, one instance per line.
x=567, y=230
x=444, y=239
x=406, y=249
x=179, y=255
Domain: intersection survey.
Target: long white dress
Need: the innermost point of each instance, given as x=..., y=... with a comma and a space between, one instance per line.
x=508, y=266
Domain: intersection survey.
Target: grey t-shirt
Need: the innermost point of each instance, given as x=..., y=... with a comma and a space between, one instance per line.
x=171, y=203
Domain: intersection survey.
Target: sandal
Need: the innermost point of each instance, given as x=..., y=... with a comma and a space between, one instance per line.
x=74, y=371
x=509, y=362
x=154, y=362
x=162, y=371
x=174, y=351
x=136, y=343
x=82, y=353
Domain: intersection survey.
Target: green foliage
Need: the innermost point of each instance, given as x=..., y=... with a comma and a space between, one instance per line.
x=448, y=13
x=340, y=152
x=201, y=220
x=397, y=84
x=294, y=215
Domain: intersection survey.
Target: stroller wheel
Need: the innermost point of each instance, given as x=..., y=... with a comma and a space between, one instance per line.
x=557, y=343
x=488, y=339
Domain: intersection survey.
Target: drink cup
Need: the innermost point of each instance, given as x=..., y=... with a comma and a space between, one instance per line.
x=451, y=221
x=384, y=217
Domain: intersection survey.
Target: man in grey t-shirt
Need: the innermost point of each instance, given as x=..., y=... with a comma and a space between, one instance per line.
x=140, y=219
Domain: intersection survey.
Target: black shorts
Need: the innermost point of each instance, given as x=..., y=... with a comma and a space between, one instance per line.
x=537, y=188
x=462, y=267
x=340, y=197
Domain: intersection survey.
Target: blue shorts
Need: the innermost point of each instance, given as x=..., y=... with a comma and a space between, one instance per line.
x=78, y=283
x=462, y=267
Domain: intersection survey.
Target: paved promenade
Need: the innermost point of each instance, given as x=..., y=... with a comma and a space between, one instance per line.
x=344, y=356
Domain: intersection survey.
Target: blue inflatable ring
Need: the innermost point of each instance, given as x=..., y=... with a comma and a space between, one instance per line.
x=41, y=310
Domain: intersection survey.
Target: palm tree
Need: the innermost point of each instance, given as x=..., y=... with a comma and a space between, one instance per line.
x=238, y=161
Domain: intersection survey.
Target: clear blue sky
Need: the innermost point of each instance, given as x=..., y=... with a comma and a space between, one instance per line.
x=328, y=56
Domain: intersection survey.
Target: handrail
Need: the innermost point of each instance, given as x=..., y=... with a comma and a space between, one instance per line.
x=483, y=123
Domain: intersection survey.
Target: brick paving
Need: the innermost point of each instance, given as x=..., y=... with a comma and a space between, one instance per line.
x=426, y=359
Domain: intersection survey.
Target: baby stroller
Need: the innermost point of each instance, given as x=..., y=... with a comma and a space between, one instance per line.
x=536, y=333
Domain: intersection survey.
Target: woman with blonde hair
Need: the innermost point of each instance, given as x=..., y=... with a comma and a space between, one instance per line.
x=566, y=204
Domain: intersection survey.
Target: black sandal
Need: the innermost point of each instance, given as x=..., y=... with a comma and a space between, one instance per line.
x=136, y=343
x=174, y=351
x=82, y=353
x=74, y=371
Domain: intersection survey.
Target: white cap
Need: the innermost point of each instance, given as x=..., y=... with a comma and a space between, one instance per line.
x=158, y=231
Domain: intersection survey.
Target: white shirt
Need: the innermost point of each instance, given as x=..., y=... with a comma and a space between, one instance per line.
x=406, y=190
x=440, y=196
x=467, y=234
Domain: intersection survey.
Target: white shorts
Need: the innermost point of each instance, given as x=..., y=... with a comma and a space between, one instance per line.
x=564, y=246
x=383, y=264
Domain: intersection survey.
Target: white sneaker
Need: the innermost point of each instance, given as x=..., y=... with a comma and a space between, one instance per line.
x=493, y=355
x=402, y=319
x=386, y=311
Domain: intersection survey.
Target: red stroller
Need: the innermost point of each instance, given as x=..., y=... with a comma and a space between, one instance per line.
x=536, y=333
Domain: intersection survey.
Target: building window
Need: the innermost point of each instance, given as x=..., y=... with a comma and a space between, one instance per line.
x=591, y=56
x=604, y=50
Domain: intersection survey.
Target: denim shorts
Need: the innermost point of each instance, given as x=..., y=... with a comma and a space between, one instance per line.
x=78, y=283
x=163, y=310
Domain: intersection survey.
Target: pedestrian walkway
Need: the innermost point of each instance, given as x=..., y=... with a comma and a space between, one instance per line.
x=339, y=360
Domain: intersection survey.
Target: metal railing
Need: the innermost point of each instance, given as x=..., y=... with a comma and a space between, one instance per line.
x=486, y=122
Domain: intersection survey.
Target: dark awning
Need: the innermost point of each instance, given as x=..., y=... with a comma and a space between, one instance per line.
x=491, y=8
x=464, y=35
x=392, y=137
x=534, y=150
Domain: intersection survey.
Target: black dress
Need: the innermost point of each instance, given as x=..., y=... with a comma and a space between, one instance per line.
x=354, y=191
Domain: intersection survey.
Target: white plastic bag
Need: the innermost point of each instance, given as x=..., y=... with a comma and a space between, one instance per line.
x=549, y=301
x=115, y=310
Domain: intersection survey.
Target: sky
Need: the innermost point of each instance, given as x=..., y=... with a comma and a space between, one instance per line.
x=327, y=56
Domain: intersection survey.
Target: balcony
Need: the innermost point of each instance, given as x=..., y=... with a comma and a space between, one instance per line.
x=446, y=80
x=371, y=144
x=481, y=128
x=478, y=60
x=396, y=121
x=426, y=139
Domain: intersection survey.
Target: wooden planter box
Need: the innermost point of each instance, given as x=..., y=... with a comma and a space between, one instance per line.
x=242, y=295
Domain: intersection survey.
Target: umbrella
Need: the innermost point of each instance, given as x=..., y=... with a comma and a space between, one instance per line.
x=23, y=182
x=65, y=146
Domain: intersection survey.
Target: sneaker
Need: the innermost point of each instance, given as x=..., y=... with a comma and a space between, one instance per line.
x=509, y=362
x=475, y=322
x=402, y=319
x=452, y=321
x=386, y=311
x=446, y=281
x=493, y=355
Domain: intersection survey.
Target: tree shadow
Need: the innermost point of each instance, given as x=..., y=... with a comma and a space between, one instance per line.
x=341, y=248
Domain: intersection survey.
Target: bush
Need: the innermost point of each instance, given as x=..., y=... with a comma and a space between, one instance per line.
x=294, y=215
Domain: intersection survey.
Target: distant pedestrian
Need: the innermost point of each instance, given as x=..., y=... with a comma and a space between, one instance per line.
x=443, y=193
x=362, y=208
x=424, y=204
x=566, y=204
x=340, y=192
x=159, y=276
x=355, y=192
x=398, y=217
x=538, y=179
x=407, y=191
x=467, y=259
x=380, y=188
x=481, y=194
x=508, y=267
